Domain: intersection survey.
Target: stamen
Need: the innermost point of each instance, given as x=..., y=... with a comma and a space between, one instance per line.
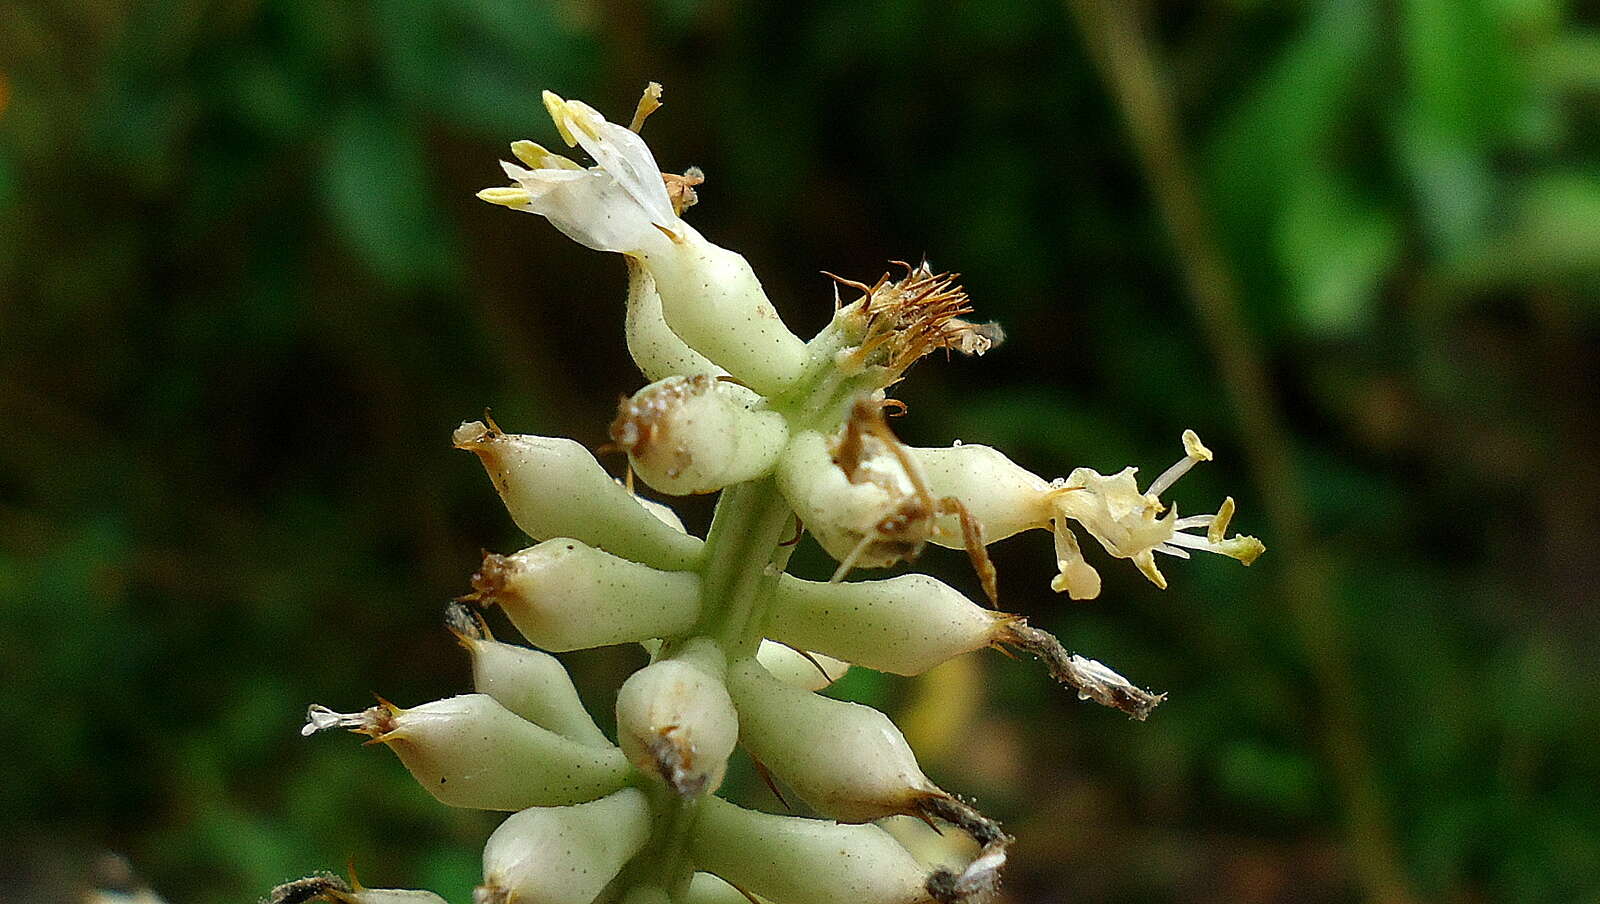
x=1194, y=451
x=1193, y=521
x=1172, y=551
x=1193, y=541
x=648, y=103
x=1219, y=525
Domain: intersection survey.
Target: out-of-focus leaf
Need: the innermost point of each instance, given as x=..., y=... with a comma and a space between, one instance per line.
x=1555, y=233
x=1336, y=244
x=1571, y=62
x=8, y=180
x=1280, y=128
x=376, y=185
x=1462, y=101
x=1280, y=780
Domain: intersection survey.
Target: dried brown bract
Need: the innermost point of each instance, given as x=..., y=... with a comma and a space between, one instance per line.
x=869, y=452
x=904, y=319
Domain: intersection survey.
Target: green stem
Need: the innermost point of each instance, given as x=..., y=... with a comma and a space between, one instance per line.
x=745, y=553
x=743, y=560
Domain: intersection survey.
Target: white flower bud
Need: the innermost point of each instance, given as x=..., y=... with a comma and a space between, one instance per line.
x=845, y=516
x=905, y=625
x=647, y=894
x=531, y=683
x=663, y=513
x=658, y=351
x=790, y=860
x=470, y=751
x=807, y=670
x=675, y=720
x=563, y=855
x=698, y=434
x=1003, y=496
x=704, y=888
x=621, y=204
x=712, y=300
x=563, y=595
x=555, y=488
x=847, y=761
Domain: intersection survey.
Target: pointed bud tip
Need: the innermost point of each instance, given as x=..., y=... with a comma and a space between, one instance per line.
x=470, y=435
x=467, y=626
x=489, y=581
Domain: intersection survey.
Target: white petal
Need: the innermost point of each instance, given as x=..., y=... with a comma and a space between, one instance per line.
x=620, y=152
x=591, y=208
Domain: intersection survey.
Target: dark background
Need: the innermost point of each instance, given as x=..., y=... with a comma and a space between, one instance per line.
x=246, y=292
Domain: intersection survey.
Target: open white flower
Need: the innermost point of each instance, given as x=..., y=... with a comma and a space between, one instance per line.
x=708, y=296
x=1007, y=498
x=1135, y=525
x=620, y=204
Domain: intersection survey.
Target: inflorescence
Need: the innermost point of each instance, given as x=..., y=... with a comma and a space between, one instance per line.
x=793, y=435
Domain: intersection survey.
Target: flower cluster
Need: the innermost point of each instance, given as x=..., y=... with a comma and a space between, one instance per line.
x=793, y=435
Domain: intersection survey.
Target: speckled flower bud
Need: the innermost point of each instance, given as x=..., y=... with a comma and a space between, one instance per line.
x=905, y=625
x=847, y=761
x=847, y=517
x=698, y=434
x=648, y=894
x=658, y=351
x=790, y=860
x=675, y=720
x=705, y=888
x=807, y=670
x=469, y=751
x=563, y=855
x=563, y=595
x=712, y=300
x=555, y=488
x=531, y=683
x=663, y=513
x=1003, y=496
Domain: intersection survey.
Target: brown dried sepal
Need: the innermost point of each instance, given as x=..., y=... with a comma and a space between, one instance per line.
x=484, y=439
x=680, y=189
x=981, y=877
x=467, y=626
x=643, y=420
x=674, y=760
x=1090, y=678
x=316, y=887
x=903, y=532
x=489, y=581
x=490, y=894
x=905, y=319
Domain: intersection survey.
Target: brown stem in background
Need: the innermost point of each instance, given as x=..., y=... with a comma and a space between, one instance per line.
x=1116, y=38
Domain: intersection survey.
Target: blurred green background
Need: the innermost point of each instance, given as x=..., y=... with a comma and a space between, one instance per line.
x=246, y=292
